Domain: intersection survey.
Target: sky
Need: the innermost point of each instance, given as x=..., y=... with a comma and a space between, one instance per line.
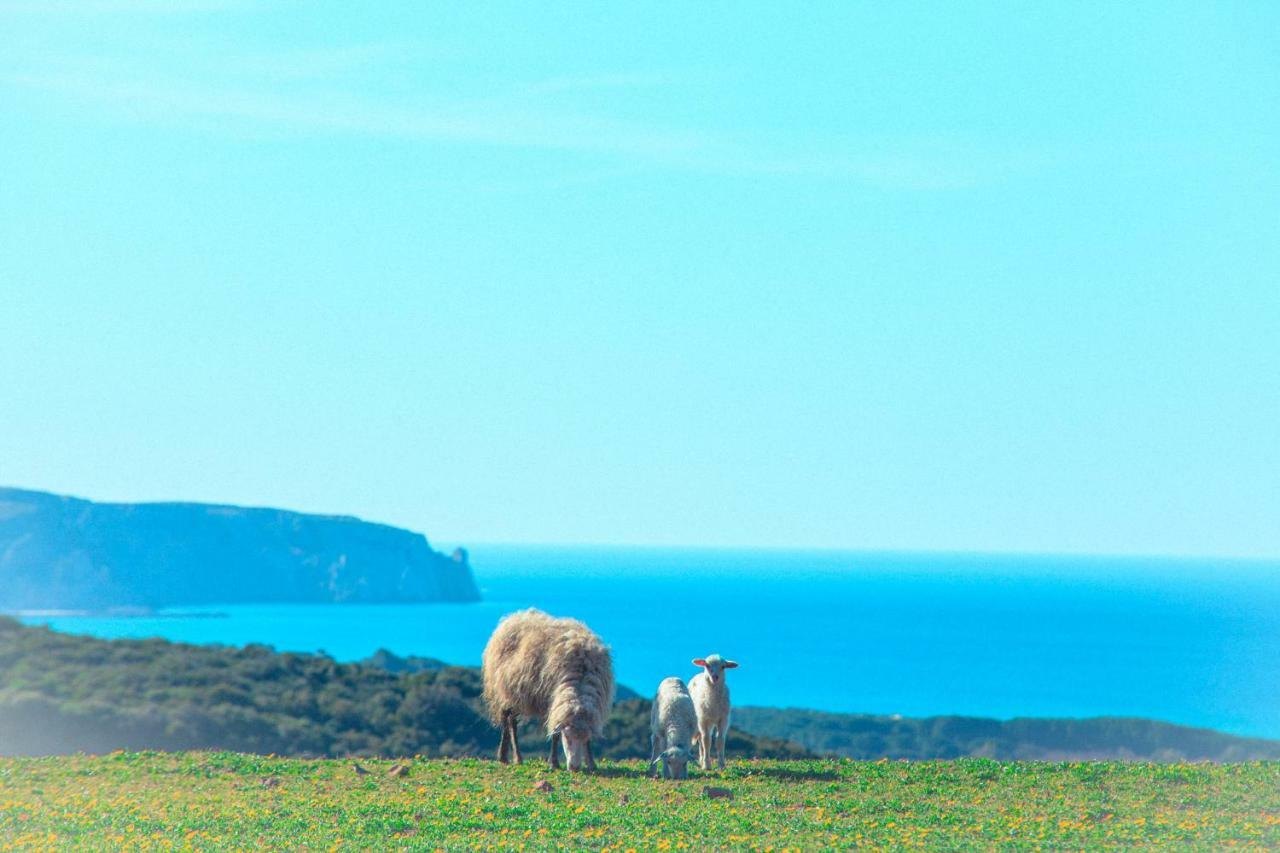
x=980, y=276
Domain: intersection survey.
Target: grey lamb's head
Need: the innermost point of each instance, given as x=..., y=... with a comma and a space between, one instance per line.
x=674, y=763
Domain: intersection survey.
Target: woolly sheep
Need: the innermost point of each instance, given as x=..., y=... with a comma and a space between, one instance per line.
x=673, y=723
x=711, y=702
x=556, y=670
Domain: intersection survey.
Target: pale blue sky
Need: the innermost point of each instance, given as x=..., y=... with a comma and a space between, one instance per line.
x=936, y=276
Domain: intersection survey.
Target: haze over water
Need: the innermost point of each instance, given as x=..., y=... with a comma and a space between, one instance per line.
x=1188, y=641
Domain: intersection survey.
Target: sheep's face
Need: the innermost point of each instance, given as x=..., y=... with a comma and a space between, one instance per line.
x=675, y=763
x=714, y=666
x=575, y=739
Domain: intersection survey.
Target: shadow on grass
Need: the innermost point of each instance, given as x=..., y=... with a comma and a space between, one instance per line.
x=627, y=770
x=617, y=771
x=788, y=774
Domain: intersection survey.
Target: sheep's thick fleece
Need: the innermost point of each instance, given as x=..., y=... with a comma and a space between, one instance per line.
x=557, y=670
x=673, y=720
x=711, y=701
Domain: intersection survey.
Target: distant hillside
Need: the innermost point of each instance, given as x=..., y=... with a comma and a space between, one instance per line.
x=61, y=694
x=392, y=662
x=865, y=736
x=66, y=553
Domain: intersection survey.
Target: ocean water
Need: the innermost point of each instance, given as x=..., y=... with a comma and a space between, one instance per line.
x=1189, y=641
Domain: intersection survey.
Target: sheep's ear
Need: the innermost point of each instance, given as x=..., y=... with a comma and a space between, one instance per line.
x=731, y=664
x=699, y=662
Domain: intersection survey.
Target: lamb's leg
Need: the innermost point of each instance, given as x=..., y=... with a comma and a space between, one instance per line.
x=704, y=735
x=722, y=734
x=515, y=742
x=504, y=745
x=591, y=759
x=554, y=755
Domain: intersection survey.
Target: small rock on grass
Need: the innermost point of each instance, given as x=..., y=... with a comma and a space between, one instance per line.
x=543, y=785
x=270, y=782
x=399, y=771
x=360, y=771
x=717, y=793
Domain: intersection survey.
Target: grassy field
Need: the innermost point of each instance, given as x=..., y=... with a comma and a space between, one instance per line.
x=226, y=800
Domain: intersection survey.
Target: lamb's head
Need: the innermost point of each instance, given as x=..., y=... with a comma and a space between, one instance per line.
x=674, y=762
x=714, y=666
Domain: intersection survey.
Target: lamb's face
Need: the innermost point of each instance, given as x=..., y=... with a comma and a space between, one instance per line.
x=676, y=763
x=714, y=666
x=574, y=739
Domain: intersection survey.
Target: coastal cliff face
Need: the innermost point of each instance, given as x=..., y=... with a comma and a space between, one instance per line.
x=65, y=553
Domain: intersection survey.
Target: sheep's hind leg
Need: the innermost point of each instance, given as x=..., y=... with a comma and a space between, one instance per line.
x=722, y=734
x=554, y=755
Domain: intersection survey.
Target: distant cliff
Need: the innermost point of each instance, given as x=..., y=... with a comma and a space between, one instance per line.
x=67, y=553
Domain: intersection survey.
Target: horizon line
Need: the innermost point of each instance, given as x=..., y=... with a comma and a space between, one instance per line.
x=868, y=549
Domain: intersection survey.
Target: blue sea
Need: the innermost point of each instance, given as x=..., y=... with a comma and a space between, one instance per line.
x=1189, y=641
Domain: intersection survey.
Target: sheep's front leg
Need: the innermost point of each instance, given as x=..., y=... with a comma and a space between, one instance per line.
x=722, y=734
x=504, y=745
x=515, y=742
x=591, y=759
x=704, y=736
x=554, y=756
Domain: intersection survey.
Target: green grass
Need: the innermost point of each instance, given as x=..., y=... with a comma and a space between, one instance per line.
x=208, y=800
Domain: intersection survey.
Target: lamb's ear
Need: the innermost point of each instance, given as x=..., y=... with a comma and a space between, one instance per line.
x=731, y=664
x=699, y=662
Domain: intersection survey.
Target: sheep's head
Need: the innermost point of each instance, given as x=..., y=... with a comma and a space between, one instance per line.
x=714, y=666
x=674, y=762
x=575, y=740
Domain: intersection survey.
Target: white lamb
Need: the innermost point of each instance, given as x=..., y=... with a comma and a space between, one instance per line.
x=711, y=702
x=673, y=724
